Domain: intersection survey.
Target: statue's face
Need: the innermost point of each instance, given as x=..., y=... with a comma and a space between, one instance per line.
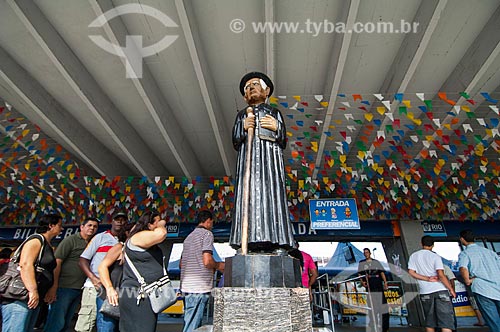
x=254, y=92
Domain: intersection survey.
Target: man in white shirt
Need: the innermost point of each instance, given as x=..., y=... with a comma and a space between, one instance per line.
x=90, y=259
x=434, y=288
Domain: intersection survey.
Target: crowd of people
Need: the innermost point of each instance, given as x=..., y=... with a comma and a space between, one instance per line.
x=87, y=269
x=479, y=269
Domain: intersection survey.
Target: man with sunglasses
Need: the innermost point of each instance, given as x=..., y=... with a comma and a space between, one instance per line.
x=269, y=227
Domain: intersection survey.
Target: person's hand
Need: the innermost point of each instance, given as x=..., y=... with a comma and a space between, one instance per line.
x=97, y=283
x=162, y=223
x=33, y=299
x=112, y=296
x=385, y=285
x=249, y=122
x=268, y=122
x=453, y=294
x=433, y=279
x=50, y=297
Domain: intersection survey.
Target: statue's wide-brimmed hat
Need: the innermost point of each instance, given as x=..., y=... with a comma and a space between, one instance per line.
x=256, y=74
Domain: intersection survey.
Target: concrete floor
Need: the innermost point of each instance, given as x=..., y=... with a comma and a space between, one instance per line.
x=170, y=324
x=166, y=323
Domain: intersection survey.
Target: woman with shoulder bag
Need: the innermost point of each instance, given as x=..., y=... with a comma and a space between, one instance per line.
x=143, y=251
x=20, y=315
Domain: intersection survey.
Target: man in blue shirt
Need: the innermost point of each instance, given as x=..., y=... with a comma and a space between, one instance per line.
x=480, y=269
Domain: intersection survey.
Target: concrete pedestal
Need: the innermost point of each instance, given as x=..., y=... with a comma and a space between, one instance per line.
x=262, y=271
x=261, y=309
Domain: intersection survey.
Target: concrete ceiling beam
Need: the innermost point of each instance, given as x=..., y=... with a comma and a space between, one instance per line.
x=339, y=60
x=205, y=80
x=153, y=100
x=135, y=151
x=43, y=109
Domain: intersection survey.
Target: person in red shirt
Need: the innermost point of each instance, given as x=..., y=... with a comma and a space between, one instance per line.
x=309, y=270
x=4, y=259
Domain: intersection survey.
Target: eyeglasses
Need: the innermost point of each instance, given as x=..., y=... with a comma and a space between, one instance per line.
x=254, y=83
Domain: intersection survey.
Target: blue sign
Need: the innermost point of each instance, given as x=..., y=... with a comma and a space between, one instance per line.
x=334, y=213
x=173, y=230
x=21, y=233
x=433, y=228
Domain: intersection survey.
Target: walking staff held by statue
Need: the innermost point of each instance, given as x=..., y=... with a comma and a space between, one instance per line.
x=261, y=218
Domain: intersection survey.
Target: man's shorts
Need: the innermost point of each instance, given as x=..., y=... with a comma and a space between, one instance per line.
x=438, y=310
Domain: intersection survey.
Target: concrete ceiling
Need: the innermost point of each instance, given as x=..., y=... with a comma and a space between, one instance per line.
x=351, y=102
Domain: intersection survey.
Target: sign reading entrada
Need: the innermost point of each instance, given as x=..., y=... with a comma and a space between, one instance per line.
x=334, y=213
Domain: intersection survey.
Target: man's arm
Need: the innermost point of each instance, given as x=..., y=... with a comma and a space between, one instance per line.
x=466, y=276
x=51, y=294
x=384, y=279
x=313, y=276
x=418, y=276
x=452, y=283
x=445, y=282
x=85, y=266
x=381, y=272
x=450, y=276
x=361, y=273
x=148, y=238
x=210, y=263
x=463, y=263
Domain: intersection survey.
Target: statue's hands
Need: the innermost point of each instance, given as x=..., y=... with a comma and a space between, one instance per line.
x=269, y=122
x=249, y=122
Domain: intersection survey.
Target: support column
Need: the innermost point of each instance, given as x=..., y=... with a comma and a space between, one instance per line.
x=407, y=235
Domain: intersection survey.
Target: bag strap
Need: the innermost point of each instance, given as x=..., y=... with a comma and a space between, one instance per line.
x=139, y=277
x=17, y=253
x=134, y=269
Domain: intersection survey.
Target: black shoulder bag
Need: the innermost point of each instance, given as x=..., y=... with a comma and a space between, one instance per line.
x=11, y=284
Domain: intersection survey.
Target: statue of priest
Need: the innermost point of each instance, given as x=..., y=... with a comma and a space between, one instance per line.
x=269, y=227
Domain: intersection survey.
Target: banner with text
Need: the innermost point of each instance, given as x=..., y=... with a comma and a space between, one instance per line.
x=433, y=228
x=334, y=213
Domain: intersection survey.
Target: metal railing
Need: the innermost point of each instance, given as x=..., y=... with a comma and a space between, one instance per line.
x=329, y=291
x=322, y=298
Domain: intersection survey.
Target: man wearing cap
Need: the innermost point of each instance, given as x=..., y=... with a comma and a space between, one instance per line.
x=89, y=262
x=269, y=225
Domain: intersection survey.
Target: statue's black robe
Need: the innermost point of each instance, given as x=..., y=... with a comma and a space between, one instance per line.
x=268, y=219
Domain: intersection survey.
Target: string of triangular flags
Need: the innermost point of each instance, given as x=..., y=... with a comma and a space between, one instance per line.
x=38, y=176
